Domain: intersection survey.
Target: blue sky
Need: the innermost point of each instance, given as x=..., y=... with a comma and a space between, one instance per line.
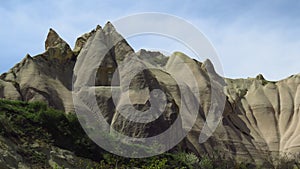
x=251, y=37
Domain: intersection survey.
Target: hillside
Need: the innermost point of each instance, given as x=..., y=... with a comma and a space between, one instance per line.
x=258, y=118
x=32, y=135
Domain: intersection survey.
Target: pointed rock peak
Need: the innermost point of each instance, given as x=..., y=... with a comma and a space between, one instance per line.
x=141, y=51
x=57, y=48
x=98, y=27
x=28, y=56
x=53, y=39
x=208, y=65
x=260, y=77
x=52, y=33
x=25, y=59
x=81, y=41
x=109, y=27
x=208, y=62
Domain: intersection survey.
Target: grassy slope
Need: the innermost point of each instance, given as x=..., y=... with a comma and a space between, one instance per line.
x=26, y=124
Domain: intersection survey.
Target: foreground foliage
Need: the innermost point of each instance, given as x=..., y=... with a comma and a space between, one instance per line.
x=35, y=123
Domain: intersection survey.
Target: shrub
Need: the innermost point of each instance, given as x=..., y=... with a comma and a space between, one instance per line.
x=189, y=160
x=206, y=163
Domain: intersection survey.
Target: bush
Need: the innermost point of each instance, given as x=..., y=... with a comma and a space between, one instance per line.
x=189, y=160
x=27, y=123
x=206, y=163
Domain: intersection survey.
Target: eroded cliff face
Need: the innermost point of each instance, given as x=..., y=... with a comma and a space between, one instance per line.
x=46, y=77
x=259, y=118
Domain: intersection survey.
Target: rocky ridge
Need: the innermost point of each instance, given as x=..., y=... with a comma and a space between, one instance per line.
x=260, y=118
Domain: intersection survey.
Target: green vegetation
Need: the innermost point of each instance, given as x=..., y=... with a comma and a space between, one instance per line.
x=35, y=123
x=33, y=126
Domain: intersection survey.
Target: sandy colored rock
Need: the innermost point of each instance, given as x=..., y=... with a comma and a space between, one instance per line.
x=57, y=48
x=260, y=117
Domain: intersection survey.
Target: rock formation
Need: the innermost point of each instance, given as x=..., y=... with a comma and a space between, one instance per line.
x=260, y=118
